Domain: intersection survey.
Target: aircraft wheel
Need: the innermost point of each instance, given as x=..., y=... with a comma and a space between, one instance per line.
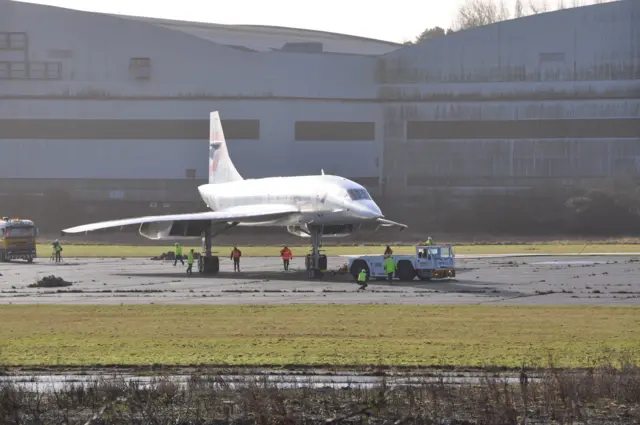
x=356, y=267
x=405, y=271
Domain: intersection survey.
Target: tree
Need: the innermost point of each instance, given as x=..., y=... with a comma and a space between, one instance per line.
x=476, y=13
x=430, y=33
x=518, y=9
x=538, y=6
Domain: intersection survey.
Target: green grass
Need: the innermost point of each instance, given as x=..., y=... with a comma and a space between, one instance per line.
x=274, y=251
x=391, y=335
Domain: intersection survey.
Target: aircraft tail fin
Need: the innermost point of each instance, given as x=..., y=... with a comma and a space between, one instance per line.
x=221, y=168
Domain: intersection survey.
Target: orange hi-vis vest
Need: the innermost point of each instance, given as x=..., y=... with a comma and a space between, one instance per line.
x=236, y=253
x=286, y=254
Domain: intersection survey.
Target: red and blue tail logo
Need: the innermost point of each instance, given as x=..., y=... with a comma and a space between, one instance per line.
x=215, y=151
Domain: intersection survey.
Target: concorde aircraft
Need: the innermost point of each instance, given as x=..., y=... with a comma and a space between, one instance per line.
x=308, y=206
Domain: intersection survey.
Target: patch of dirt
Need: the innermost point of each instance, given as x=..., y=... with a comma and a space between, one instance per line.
x=170, y=255
x=50, y=282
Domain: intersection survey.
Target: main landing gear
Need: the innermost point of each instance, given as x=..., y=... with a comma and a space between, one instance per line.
x=315, y=262
x=209, y=264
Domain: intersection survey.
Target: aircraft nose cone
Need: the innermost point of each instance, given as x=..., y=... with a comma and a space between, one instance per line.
x=370, y=210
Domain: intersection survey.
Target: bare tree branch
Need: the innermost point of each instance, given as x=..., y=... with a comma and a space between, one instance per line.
x=477, y=13
x=518, y=9
x=538, y=6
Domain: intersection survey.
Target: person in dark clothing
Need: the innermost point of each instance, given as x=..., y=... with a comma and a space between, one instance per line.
x=235, y=256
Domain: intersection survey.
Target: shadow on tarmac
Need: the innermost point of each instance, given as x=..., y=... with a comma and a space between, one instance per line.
x=442, y=286
x=452, y=286
x=293, y=275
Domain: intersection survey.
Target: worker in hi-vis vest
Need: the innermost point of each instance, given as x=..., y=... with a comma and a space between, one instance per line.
x=178, y=255
x=235, y=256
x=362, y=279
x=190, y=255
x=286, y=255
x=389, y=267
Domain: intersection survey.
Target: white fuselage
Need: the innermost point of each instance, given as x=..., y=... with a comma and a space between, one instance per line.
x=321, y=199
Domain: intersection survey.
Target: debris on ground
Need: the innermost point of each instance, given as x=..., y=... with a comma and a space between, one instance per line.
x=50, y=282
x=172, y=256
x=165, y=256
x=344, y=269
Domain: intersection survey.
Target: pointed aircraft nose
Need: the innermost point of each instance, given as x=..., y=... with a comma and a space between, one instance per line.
x=368, y=209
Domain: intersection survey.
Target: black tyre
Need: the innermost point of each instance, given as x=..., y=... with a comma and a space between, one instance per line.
x=210, y=265
x=323, y=262
x=356, y=267
x=405, y=271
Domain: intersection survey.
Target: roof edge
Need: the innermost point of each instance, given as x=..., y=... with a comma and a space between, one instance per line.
x=241, y=27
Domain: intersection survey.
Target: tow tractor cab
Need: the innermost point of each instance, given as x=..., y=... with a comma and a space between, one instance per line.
x=428, y=262
x=17, y=239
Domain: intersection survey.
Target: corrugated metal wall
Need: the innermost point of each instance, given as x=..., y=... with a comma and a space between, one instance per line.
x=573, y=64
x=511, y=105
x=70, y=67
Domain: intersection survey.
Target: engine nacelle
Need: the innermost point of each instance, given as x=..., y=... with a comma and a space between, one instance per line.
x=334, y=231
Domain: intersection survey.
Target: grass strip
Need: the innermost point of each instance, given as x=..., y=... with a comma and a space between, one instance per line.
x=130, y=251
x=308, y=335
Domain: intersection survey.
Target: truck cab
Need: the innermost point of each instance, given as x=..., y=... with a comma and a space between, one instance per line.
x=428, y=262
x=17, y=239
x=435, y=261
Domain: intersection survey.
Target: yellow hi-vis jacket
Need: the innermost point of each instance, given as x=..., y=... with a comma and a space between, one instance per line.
x=389, y=265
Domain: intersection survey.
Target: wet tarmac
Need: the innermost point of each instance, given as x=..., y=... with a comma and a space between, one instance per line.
x=495, y=280
x=58, y=382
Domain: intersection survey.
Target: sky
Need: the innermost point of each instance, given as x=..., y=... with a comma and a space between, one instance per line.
x=397, y=21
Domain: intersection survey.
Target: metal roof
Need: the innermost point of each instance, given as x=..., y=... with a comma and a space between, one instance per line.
x=269, y=38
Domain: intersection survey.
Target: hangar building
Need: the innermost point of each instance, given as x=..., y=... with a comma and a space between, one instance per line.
x=109, y=113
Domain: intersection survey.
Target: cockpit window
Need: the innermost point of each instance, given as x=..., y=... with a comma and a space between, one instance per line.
x=358, y=194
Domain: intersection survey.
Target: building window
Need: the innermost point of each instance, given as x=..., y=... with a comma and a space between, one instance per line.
x=116, y=194
x=4, y=70
x=334, y=131
x=53, y=71
x=13, y=40
x=17, y=40
x=524, y=129
x=140, y=68
x=18, y=70
x=125, y=129
x=30, y=70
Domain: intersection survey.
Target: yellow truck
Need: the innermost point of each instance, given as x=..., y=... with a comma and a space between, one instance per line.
x=17, y=239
